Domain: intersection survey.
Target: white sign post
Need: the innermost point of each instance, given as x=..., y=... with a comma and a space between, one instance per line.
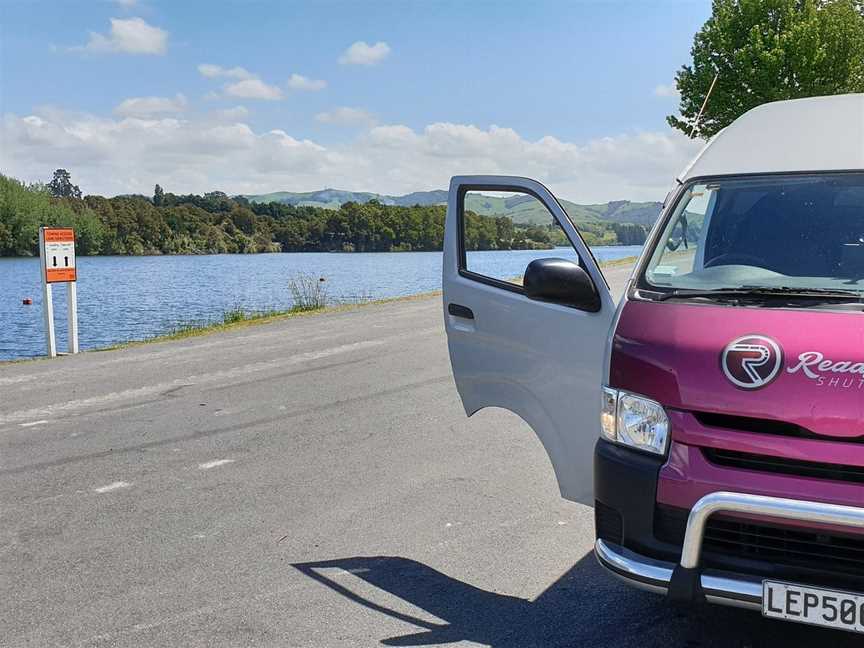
x=57, y=256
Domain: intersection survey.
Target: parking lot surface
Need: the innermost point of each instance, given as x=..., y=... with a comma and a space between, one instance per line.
x=311, y=482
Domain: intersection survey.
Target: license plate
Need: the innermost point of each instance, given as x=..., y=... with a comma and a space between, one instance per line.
x=813, y=605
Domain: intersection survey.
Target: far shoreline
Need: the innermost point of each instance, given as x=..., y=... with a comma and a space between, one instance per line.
x=251, y=254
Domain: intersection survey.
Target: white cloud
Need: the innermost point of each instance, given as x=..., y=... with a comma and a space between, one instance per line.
x=345, y=116
x=211, y=151
x=214, y=71
x=362, y=53
x=128, y=36
x=150, y=106
x=247, y=85
x=665, y=90
x=253, y=89
x=300, y=82
x=232, y=114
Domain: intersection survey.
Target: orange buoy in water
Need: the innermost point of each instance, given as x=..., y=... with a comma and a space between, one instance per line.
x=27, y=301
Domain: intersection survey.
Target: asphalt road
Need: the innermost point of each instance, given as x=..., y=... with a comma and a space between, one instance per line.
x=312, y=482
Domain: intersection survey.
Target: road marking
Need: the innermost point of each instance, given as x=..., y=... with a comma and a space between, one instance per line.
x=201, y=379
x=20, y=379
x=213, y=464
x=352, y=580
x=172, y=353
x=112, y=487
x=146, y=627
x=32, y=423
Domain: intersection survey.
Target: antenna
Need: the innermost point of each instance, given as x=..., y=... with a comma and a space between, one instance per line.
x=704, y=103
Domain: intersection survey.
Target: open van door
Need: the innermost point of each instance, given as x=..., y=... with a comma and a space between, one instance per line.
x=542, y=356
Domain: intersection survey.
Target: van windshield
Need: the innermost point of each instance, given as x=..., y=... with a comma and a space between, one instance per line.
x=762, y=234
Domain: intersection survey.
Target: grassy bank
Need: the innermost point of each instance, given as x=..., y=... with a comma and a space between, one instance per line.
x=237, y=318
x=617, y=263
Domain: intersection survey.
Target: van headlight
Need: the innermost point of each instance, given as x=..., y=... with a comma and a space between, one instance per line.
x=634, y=421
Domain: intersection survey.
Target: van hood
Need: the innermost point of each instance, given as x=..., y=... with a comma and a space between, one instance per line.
x=804, y=367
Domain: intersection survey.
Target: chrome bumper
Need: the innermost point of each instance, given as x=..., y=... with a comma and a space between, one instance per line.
x=738, y=590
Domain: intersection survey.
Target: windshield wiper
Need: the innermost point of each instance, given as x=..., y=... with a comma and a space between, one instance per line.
x=763, y=292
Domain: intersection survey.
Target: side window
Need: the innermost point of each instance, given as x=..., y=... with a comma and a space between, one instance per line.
x=681, y=254
x=502, y=232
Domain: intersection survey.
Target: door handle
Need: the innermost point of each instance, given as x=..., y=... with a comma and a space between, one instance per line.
x=457, y=310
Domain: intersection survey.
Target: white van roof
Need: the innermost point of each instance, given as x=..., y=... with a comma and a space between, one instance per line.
x=816, y=134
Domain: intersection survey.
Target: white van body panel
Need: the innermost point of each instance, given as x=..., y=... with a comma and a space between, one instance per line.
x=540, y=360
x=815, y=134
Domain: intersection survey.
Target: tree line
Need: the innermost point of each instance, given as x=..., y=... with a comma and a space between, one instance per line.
x=215, y=223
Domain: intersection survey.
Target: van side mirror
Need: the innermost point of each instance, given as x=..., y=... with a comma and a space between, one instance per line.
x=561, y=282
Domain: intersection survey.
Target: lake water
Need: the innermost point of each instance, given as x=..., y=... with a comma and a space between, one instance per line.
x=133, y=298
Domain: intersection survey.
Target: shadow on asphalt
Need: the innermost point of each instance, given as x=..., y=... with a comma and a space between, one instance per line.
x=584, y=607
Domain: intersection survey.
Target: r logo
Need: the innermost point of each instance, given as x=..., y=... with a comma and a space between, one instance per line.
x=751, y=361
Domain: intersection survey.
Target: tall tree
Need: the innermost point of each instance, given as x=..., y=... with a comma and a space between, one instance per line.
x=158, y=196
x=61, y=185
x=768, y=50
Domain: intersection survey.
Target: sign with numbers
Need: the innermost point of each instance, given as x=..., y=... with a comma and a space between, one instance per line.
x=59, y=255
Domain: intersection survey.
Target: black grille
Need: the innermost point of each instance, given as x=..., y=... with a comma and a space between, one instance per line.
x=758, y=425
x=797, y=467
x=775, y=544
x=608, y=524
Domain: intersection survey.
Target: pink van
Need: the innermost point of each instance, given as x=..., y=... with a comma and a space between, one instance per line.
x=714, y=415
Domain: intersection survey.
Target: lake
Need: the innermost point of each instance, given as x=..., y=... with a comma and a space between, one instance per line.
x=133, y=298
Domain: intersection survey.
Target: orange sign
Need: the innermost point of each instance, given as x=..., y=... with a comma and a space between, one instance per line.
x=58, y=244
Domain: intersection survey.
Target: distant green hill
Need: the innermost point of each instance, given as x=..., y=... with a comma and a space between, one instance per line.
x=521, y=209
x=335, y=198
x=616, y=211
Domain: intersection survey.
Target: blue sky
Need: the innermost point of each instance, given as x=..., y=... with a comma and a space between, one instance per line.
x=574, y=93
